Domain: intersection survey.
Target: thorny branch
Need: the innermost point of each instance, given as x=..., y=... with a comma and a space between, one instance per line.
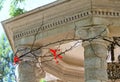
x=60, y=42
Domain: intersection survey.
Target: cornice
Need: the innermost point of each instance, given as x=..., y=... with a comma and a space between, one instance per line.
x=51, y=24
x=105, y=13
x=58, y=14
x=32, y=29
x=54, y=23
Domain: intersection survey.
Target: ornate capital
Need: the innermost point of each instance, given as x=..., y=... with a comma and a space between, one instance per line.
x=97, y=47
x=27, y=54
x=92, y=31
x=96, y=41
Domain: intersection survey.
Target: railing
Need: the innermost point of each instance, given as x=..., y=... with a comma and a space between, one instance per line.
x=113, y=70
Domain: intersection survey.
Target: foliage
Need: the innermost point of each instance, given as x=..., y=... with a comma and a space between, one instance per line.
x=15, y=8
x=7, y=73
x=42, y=80
x=16, y=11
x=1, y=3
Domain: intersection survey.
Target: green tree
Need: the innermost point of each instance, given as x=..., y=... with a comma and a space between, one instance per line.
x=1, y=4
x=7, y=73
x=15, y=8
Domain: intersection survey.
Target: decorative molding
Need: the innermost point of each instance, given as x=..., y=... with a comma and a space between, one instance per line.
x=32, y=29
x=104, y=13
x=50, y=25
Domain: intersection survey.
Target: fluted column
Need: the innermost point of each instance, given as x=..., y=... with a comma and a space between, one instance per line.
x=95, y=53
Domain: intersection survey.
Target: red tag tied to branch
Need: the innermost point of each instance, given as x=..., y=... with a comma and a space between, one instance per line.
x=16, y=59
x=54, y=52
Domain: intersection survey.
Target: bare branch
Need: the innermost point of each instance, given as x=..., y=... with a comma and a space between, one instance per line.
x=35, y=36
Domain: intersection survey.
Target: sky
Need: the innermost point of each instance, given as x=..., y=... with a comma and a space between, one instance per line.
x=28, y=5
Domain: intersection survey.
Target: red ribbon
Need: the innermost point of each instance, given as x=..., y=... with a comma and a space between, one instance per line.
x=16, y=59
x=54, y=52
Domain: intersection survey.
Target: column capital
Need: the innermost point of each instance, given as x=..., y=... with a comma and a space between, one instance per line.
x=95, y=47
x=92, y=31
x=98, y=41
x=29, y=55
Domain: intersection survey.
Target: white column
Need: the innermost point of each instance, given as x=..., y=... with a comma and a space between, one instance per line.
x=95, y=53
x=28, y=69
x=28, y=72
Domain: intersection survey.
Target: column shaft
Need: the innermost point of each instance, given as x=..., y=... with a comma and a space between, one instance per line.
x=95, y=53
x=26, y=72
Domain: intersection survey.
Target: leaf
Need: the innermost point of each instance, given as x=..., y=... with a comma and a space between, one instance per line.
x=15, y=9
x=1, y=4
x=6, y=60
